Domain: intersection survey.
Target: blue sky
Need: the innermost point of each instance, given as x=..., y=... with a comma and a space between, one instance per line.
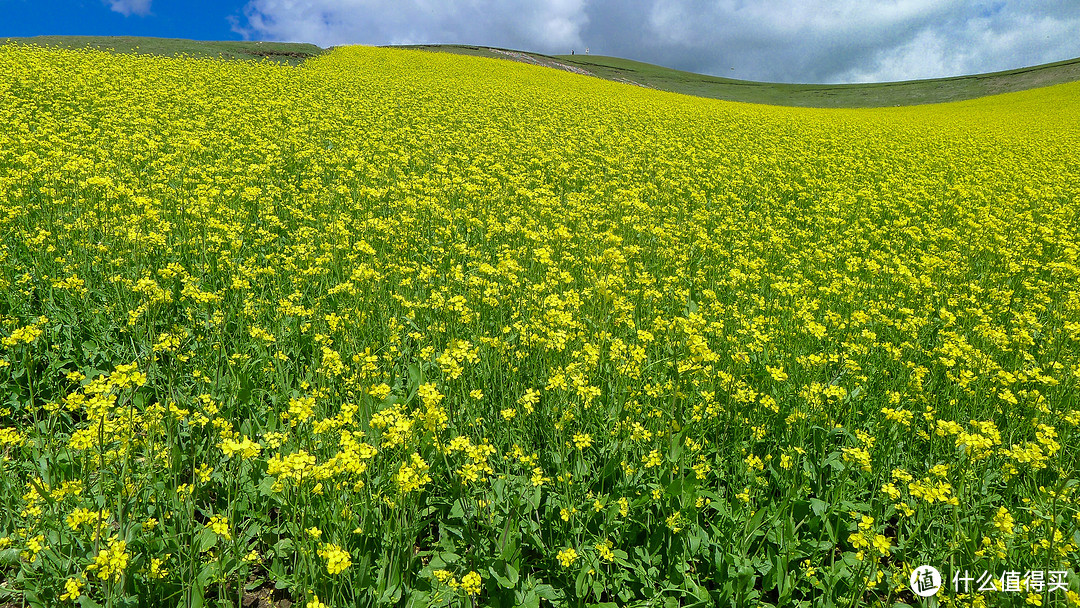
x=767, y=40
x=195, y=19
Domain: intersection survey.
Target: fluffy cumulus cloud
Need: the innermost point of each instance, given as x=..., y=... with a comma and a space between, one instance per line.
x=778, y=40
x=541, y=25
x=128, y=8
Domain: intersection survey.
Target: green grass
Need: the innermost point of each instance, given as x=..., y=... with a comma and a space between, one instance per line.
x=283, y=52
x=912, y=92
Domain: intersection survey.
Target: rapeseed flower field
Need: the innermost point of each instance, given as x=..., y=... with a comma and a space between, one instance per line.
x=412, y=329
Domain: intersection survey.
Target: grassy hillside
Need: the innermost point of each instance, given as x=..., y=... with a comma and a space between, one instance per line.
x=630, y=72
x=415, y=329
x=281, y=52
x=816, y=95
x=808, y=95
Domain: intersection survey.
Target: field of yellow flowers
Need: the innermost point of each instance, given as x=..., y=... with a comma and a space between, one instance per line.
x=415, y=329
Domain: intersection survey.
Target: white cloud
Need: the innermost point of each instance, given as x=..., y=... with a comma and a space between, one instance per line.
x=128, y=8
x=992, y=42
x=552, y=26
x=778, y=40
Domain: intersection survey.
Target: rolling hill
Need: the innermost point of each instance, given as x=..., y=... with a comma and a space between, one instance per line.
x=883, y=94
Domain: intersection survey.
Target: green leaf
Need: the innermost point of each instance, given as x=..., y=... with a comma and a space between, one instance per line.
x=582, y=582
x=9, y=557
x=449, y=531
x=835, y=461
x=391, y=595
x=457, y=511
x=441, y=560
x=252, y=531
x=502, y=580
x=418, y=599
x=364, y=568
x=531, y=600
x=207, y=574
x=504, y=573
x=548, y=592
x=205, y=540
x=197, y=594
x=283, y=547
x=266, y=486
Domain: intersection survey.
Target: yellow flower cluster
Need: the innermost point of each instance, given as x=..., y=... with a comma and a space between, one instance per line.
x=110, y=562
x=245, y=447
x=337, y=559
x=98, y=520
x=72, y=589
x=471, y=583
x=412, y=475
x=567, y=557
x=25, y=335
x=219, y=524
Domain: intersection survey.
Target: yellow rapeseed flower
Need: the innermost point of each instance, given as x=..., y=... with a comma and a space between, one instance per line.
x=567, y=556
x=337, y=559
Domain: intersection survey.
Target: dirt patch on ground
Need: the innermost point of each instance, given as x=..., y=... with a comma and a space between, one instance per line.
x=628, y=81
x=1031, y=78
x=267, y=597
x=549, y=63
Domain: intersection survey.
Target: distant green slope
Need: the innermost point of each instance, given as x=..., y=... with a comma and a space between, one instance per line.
x=911, y=92
x=282, y=52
